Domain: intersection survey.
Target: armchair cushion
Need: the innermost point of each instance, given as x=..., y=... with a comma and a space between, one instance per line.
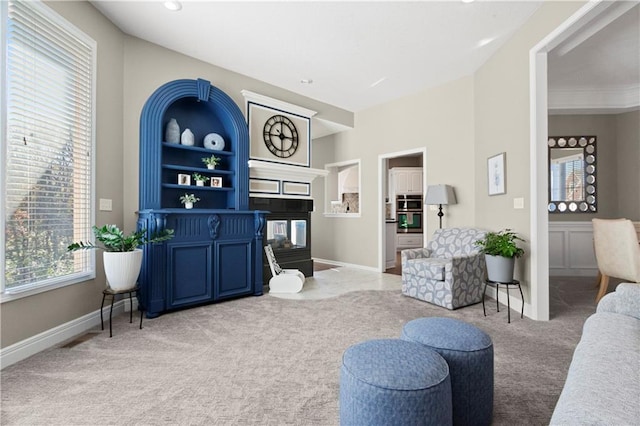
x=429, y=268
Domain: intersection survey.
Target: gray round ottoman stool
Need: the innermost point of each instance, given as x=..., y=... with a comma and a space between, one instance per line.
x=394, y=382
x=469, y=353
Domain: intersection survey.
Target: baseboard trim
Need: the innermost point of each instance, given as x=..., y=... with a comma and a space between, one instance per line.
x=56, y=335
x=350, y=265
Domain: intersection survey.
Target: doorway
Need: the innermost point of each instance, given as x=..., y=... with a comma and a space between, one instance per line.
x=385, y=163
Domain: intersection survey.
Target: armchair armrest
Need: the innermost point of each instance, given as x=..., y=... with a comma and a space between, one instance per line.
x=473, y=264
x=416, y=253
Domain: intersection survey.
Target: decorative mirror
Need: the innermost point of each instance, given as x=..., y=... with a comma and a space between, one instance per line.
x=572, y=174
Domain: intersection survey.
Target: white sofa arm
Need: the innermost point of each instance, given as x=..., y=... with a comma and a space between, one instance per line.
x=625, y=300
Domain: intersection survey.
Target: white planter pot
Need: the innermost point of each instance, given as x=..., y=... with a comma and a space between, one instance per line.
x=500, y=269
x=188, y=205
x=211, y=166
x=122, y=269
x=199, y=183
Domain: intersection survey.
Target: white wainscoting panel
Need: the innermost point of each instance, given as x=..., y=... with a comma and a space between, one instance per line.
x=571, y=249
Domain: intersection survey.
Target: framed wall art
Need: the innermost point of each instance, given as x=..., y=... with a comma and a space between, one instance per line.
x=496, y=174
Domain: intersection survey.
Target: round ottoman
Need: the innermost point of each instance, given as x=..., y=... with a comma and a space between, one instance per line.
x=394, y=382
x=469, y=353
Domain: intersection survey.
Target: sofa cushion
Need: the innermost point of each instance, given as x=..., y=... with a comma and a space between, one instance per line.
x=429, y=268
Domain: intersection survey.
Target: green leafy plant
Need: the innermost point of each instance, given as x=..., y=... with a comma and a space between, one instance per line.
x=502, y=243
x=199, y=177
x=112, y=239
x=213, y=160
x=188, y=198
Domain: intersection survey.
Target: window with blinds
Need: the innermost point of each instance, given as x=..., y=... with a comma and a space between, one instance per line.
x=47, y=125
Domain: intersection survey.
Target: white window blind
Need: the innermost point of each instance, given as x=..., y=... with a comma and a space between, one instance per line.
x=48, y=126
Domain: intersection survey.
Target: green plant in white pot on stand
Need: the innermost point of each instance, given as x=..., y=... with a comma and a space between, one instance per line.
x=500, y=252
x=122, y=256
x=211, y=162
x=188, y=200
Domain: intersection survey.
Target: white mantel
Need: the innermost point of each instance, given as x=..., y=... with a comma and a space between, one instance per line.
x=268, y=179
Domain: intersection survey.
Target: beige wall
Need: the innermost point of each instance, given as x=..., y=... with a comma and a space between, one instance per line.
x=440, y=119
x=604, y=128
x=31, y=315
x=628, y=131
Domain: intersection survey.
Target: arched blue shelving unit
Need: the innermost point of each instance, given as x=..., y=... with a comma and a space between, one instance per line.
x=217, y=248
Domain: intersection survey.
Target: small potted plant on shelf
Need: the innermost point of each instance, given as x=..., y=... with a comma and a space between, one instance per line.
x=188, y=200
x=122, y=256
x=500, y=252
x=200, y=179
x=211, y=162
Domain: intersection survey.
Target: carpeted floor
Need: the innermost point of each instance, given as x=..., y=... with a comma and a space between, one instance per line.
x=272, y=361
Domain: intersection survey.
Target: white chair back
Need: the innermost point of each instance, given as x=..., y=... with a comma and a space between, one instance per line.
x=617, y=249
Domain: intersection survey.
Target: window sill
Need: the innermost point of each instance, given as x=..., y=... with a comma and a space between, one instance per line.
x=350, y=215
x=11, y=295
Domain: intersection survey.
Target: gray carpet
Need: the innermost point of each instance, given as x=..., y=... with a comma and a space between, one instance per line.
x=270, y=361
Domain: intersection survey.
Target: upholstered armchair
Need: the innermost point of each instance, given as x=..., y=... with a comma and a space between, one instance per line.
x=449, y=272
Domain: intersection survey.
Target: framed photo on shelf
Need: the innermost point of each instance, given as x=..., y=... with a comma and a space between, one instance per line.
x=184, y=179
x=497, y=178
x=216, y=181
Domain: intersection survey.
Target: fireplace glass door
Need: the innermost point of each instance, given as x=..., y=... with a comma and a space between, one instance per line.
x=287, y=234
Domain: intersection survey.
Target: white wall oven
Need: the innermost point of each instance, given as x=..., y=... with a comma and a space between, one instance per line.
x=409, y=213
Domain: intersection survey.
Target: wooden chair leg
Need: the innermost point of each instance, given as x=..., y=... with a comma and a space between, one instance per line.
x=598, y=278
x=604, y=285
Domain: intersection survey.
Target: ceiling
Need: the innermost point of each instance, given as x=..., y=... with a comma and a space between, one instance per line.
x=358, y=53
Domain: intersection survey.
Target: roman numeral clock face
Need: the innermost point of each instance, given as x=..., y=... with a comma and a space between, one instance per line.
x=281, y=136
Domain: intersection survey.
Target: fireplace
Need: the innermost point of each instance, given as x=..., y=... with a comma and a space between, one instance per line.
x=288, y=231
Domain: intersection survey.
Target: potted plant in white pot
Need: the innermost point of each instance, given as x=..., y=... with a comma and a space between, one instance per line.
x=500, y=252
x=122, y=256
x=200, y=179
x=211, y=162
x=188, y=200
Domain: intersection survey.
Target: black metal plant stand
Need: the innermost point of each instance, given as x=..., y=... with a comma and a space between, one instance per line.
x=514, y=283
x=109, y=292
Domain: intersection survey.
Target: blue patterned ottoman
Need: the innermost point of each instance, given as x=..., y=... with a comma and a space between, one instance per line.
x=394, y=382
x=469, y=353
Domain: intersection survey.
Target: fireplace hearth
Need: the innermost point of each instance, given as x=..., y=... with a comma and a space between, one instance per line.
x=288, y=231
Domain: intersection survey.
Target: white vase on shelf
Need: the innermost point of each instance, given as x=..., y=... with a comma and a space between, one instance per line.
x=188, y=205
x=187, y=138
x=199, y=183
x=172, y=133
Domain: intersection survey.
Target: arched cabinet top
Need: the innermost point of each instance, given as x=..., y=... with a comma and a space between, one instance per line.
x=203, y=109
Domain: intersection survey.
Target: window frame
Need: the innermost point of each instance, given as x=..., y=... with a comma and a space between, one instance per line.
x=89, y=273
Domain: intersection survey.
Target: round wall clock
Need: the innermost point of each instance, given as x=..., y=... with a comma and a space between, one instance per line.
x=281, y=136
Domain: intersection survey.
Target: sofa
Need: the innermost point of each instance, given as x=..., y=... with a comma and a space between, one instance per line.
x=603, y=382
x=449, y=272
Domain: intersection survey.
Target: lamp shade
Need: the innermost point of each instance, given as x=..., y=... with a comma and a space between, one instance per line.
x=440, y=194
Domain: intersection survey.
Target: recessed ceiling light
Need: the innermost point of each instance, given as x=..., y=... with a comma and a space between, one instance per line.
x=375, y=83
x=468, y=1
x=173, y=5
x=485, y=41
x=306, y=81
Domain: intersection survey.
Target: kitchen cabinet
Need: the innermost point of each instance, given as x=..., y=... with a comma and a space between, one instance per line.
x=406, y=180
x=405, y=241
x=390, y=249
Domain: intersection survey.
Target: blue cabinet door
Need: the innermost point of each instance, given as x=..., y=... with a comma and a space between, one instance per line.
x=189, y=273
x=234, y=277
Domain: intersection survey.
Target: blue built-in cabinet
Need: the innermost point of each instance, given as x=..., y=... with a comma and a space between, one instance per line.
x=216, y=253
